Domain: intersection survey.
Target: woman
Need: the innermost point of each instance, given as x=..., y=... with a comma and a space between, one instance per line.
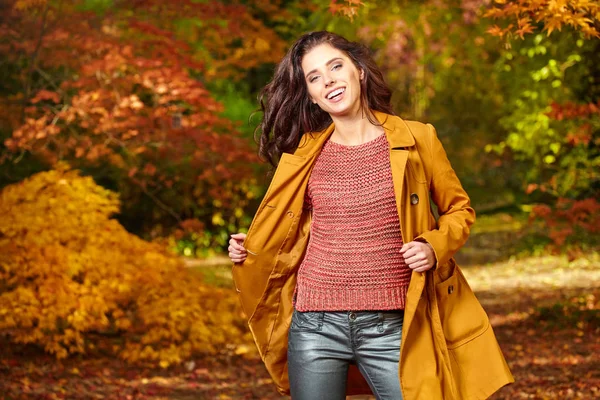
x=347, y=279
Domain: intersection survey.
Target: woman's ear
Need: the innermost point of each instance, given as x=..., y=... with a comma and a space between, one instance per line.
x=362, y=74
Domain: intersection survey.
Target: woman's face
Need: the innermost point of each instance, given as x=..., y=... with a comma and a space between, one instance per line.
x=332, y=79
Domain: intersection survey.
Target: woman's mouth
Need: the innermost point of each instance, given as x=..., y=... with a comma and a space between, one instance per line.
x=336, y=95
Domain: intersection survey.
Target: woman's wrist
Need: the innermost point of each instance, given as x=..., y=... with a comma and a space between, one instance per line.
x=433, y=254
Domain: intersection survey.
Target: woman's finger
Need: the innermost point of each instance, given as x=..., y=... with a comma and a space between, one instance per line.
x=418, y=264
x=407, y=246
x=424, y=268
x=235, y=250
x=236, y=245
x=239, y=236
x=237, y=257
x=418, y=256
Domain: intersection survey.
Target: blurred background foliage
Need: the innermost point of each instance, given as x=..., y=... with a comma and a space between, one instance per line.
x=73, y=280
x=156, y=100
x=145, y=111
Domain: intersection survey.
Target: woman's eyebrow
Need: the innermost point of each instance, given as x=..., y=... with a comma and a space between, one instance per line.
x=327, y=63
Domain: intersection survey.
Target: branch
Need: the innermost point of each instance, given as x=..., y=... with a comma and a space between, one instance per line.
x=32, y=62
x=159, y=203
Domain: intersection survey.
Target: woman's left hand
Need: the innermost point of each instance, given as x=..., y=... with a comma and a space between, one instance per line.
x=419, y=256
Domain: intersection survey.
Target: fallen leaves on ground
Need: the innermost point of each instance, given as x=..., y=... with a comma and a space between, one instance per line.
x=546, y=315
x=27, y=373
x=545, y=312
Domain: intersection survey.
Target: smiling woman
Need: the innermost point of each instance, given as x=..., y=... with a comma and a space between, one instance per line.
x=292, y=102
x=346, y=277
x=333, y=85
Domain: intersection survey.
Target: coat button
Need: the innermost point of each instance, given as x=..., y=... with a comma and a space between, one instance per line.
x=414, y=199
x=450, y=289
x=290, y=214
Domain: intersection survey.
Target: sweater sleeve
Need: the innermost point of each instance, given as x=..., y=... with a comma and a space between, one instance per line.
x=454, y=207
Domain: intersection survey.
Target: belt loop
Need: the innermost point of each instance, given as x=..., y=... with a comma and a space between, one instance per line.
x=380, y=322
x=321, y=318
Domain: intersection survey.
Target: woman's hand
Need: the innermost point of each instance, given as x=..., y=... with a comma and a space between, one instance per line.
x=237, y=252
x=419, y=256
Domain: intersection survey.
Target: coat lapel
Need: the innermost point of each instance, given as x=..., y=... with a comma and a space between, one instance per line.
x=290, y=165
x=397, y=133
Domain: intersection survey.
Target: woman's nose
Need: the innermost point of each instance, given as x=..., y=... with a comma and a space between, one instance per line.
x=329, y=81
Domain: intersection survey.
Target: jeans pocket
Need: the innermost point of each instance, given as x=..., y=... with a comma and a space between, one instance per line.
x=307, y=321
x=392, y=321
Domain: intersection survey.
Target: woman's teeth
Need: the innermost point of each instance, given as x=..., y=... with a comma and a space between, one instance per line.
x=335, y=93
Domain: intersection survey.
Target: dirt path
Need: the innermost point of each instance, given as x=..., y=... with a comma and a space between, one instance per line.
x=546, y=314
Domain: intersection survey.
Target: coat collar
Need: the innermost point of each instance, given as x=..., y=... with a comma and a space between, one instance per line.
x=397, y=132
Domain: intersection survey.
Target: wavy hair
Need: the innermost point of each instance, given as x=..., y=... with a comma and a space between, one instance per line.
x=287, y=110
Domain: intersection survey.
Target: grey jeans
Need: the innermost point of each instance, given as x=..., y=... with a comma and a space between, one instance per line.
x=322, y=345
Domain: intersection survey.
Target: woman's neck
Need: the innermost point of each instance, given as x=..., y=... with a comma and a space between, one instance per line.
x=354, y=130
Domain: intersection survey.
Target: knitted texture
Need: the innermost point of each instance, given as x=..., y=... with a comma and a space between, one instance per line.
x=352, y=261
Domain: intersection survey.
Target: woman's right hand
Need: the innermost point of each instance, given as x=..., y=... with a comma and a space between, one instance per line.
x=237, y=252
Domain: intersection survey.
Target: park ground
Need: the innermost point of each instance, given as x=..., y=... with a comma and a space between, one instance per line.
x=545, y=311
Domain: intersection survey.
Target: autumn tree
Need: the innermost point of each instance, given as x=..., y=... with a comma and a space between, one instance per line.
x=554, y=124
x=517, y=78
x=522, y=17
x=119, y=90
x=72, y=278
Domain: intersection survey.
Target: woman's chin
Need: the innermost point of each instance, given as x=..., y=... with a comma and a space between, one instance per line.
x=343, y=111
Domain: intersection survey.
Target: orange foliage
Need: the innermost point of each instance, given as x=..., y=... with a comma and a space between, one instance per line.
x=348, y=8
x=581, y=15
x=233, y=39
x=68, y=272
x=582, y=134
x=571, y=110
x=569, y=218
x=128, y=99
x=123, y=91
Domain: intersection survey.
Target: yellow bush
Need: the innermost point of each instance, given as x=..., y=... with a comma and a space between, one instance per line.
x=69, y=274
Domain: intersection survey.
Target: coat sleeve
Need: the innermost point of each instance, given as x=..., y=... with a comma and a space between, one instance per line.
x=453, y=203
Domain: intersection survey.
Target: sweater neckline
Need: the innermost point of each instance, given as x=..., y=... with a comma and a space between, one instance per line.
x=356, y=146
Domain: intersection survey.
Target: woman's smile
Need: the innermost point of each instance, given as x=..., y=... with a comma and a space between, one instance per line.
x=336, y=95
x=332, y=80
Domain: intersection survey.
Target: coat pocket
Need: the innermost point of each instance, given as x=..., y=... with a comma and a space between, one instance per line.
x=308, y=321
x=462, y=316
x=250, y=281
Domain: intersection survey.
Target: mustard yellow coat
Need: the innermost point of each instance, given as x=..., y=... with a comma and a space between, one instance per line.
x=448, y=349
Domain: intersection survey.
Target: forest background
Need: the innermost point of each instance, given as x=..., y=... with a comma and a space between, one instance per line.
x=127, y=154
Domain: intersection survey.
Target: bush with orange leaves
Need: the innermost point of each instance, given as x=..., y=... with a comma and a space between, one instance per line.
x=571, y=225
x=70, y=276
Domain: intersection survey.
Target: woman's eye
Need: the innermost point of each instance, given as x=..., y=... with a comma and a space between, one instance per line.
x=337, y=66
x=314, y=78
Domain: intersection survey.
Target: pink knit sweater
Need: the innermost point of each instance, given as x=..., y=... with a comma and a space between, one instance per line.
x=352, y=261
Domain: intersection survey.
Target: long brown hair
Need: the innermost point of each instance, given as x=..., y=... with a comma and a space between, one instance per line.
x=287, y=110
